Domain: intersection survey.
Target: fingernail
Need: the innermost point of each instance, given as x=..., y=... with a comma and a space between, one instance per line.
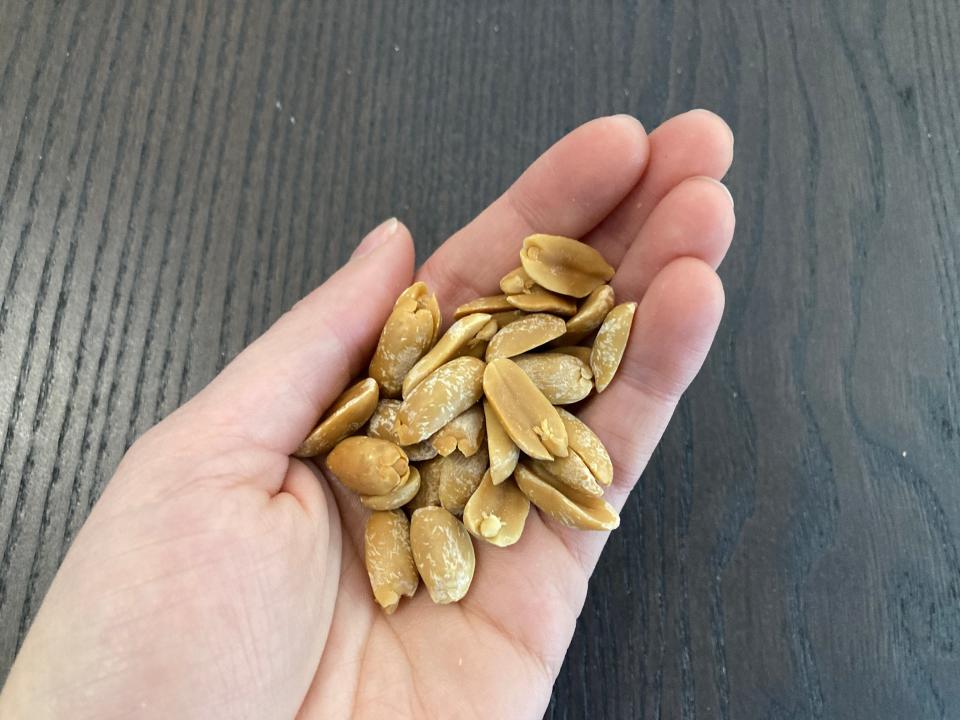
x=376, y=237
x=719, y=184
x=717, y=117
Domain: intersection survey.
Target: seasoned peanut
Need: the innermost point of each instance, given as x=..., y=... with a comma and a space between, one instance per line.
x=502, y=451
x=581, y=352
x=496, y=513
x=610, y=343
x=588, y=318
x=525, y=334
x=571, y=472
x=459, y=477
x=381, y=426
x=516, y=281
x=429, y=492
x=443, y=552
x=564, y=265
x=507, y=316
x=369, y=466
x=585, y=513
x=464, y=433
x=490, y=304
x=389, y=558
x=440, y=397
x=347, y=414
x=585, y=443
x=540, y=300
x=446, y=349
x=410, y=331
x=563, y=379
x=396, y=498
x=523, y=411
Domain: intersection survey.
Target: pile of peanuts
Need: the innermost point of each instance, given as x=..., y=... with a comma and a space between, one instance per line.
x=453, y=436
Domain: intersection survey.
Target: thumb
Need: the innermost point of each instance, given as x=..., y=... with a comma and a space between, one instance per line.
x=272, y=393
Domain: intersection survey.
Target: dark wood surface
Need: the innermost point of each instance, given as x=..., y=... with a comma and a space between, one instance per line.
x=174, y=174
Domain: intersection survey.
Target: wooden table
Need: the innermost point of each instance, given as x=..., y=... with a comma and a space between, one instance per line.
x=175, y=174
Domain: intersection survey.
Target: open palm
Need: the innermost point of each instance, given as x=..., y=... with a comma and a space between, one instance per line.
x=218, y=577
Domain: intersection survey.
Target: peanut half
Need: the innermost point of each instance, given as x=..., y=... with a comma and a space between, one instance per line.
x=588, y=318
x=542, y=300
x=395, y=498
x=610, y=344
x=523, y=411
x=369, y=466
x=516, y=281
x=496, y=513
x=447, y=348
x=490, y=304
x=464, y=433
x=443, y=552
x=585, y=443
x=562, y=378
x=389, y=558
x=439, y=398
x=564, y=265
x=381, y=426
x=429, y=492
x=347, y=414
x=459, y=477
x=583, y=512
x=410, y=331
x=502, y=451
x=525, y=334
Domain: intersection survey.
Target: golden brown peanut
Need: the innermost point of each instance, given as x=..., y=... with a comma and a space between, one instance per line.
x=564, y=265
x=502, y=451
x=540, y=300
x=516, y=281
x=589, y=317
x=525, y=334
x=585, y=513
x=585, y=443
x=446, y=349
x=464, y=433
x=347, y=414
x=440, y=397
x=490, y=304
x=381, y=426
x=409, y=332
x=496, y=513
x=486, y=333
x=508, y=316
x=581, y=352
x=443, y=552
x=562, y=378
x=369, y=466
x=571, y=472
x=396, y=498
x=429, y=492
x=459, y=477
x=523, y=411
x=389, y=558
x=610, y=343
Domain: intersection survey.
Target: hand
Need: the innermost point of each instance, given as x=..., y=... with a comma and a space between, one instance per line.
x=219, y=577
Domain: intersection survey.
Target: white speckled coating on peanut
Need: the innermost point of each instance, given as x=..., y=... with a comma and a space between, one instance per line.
x=464, y=433
x=440, y=397
x=459, y=478
x=562, y=378
x=585, y=443
x=447, y=348
x=443, y=553
x=611, y=341
x=389, y=558
x=525, y=334
x=586, y=513
x=409, y=332
x=381, y=426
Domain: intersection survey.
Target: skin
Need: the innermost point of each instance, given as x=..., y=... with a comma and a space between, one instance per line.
x=219, y=577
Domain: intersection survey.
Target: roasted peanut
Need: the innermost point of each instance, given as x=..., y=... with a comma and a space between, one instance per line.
x=389, y=558
x=502, y=451
x=540, y=300
x=610, y=343
x=562, y=378
x=581, y=352
x=585, y=443
x=525, y=334
x=440, y=397
x=496, y=513
x=446, y=349
x=347, y=414
x=571, y=472
x=564, y=265
x=443, y=552
x=464, y=433
x=523, y=411
x=459, y=477
x=429, y=492
x=490, y=304
x=381, y=426
x=588, y=318
x=396, y=498
x=585, y=513
x=507, y=316
x=516, y=281
x=410, y=331
x=369, y=466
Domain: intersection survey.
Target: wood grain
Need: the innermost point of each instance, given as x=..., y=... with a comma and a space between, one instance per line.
x=174, y=174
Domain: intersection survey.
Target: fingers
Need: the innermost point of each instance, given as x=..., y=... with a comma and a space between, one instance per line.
x=567, y=191
x=274, y=391
x=697, y=143
x=673, y=328
x=695, y=219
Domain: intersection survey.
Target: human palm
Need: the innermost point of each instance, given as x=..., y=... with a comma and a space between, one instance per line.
x=219, y=577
